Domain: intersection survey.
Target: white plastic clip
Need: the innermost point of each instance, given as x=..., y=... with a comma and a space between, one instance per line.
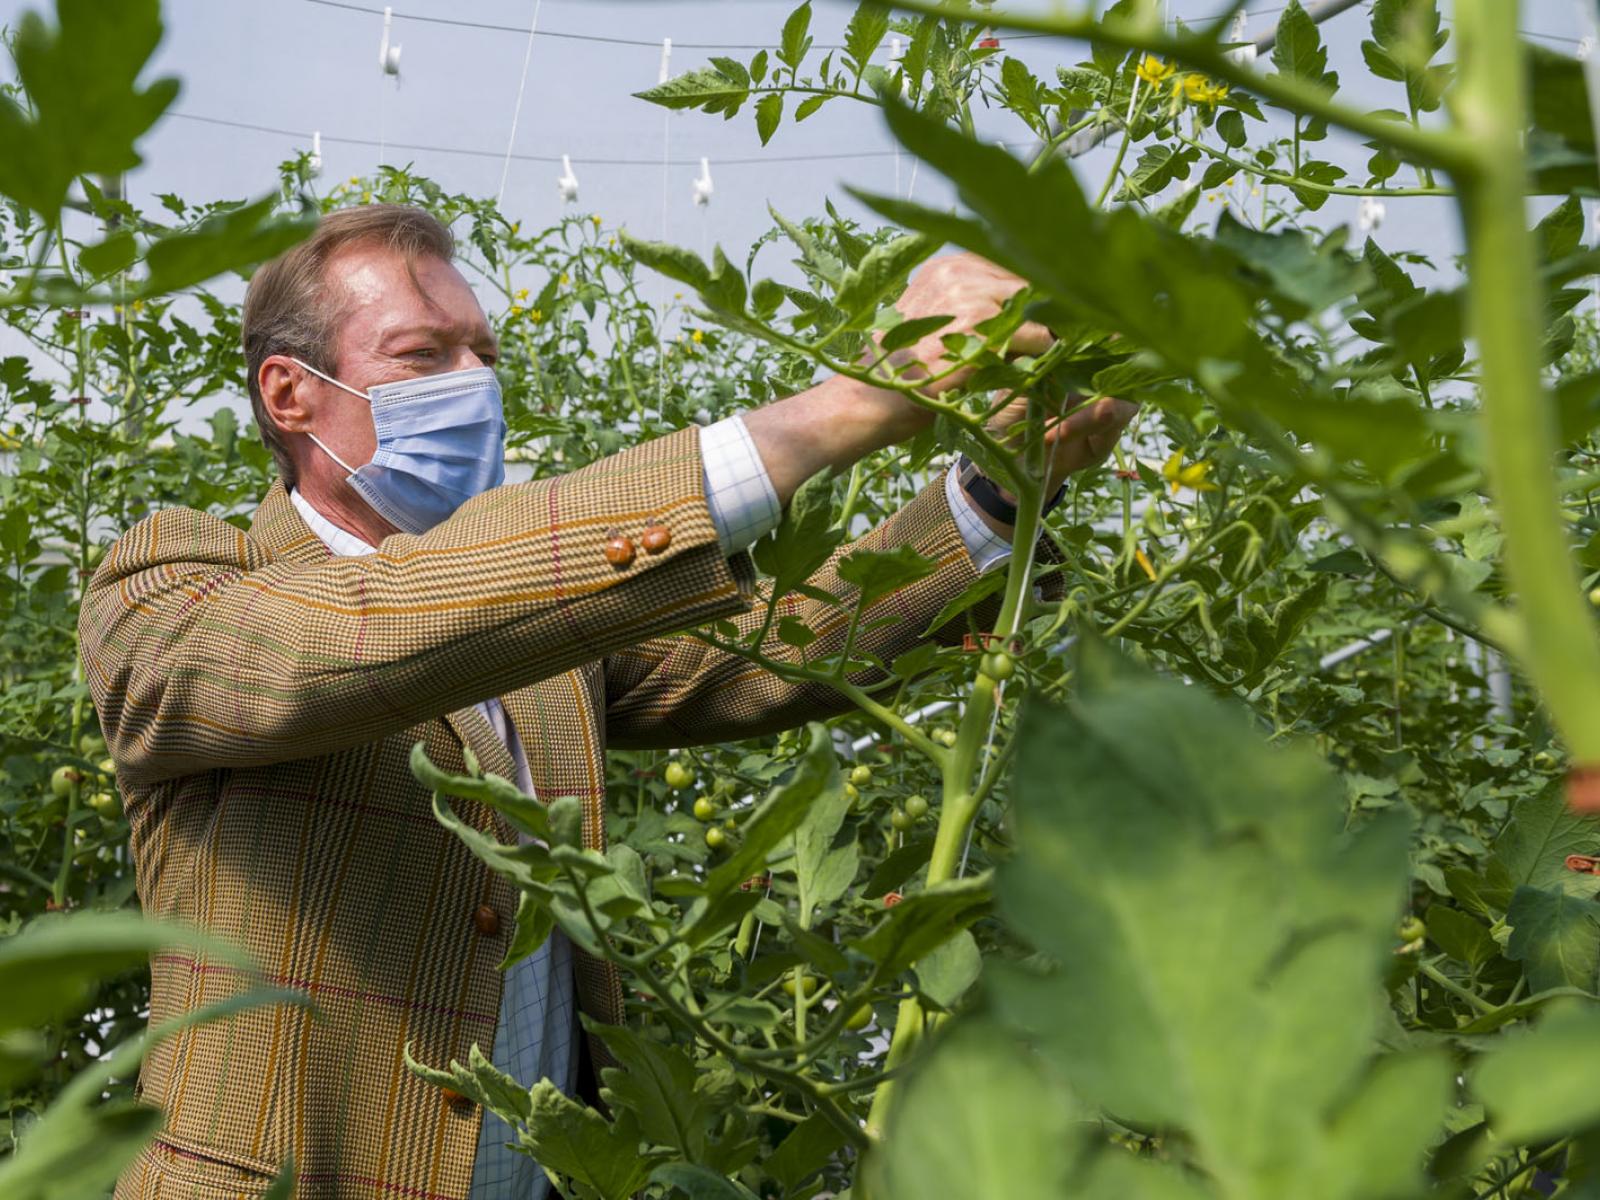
x=702, y=186
x=314, y=163
x=1585, y=48
x=567, y=184
x=1370, y=214
x=1244, y=51
x=388, y=52
x=666, y=61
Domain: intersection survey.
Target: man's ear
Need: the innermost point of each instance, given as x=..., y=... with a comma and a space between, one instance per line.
x=280, y=379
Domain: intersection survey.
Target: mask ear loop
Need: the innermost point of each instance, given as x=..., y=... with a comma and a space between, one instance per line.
x=321, y=445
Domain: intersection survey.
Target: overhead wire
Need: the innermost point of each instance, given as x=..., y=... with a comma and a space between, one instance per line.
x=304, y=135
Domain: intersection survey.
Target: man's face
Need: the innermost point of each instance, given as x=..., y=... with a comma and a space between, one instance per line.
x=390, y=328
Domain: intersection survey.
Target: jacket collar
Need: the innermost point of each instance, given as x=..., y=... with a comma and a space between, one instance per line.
x=281, y=529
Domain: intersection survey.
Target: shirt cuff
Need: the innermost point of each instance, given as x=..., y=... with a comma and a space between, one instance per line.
x=744, y=504
x=986, y=548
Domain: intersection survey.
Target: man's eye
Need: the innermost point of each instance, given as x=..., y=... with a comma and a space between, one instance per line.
x=422, y=352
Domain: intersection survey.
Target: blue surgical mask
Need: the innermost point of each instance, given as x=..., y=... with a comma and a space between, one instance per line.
x=441, y=441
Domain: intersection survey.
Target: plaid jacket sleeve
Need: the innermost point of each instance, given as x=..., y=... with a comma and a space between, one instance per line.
x=204, y=649
x=677, y=691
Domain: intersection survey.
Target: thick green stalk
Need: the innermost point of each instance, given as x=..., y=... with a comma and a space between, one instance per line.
x=1562, y=653
x=960, y=800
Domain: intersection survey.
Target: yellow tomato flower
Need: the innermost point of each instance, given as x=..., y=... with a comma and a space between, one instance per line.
x=1144, y=561
x=516, y=310
x=1197, y=89
x=535, y=315
x=1192, y=476
x=564, y=280
x=698, y=337
x=595, y=217
x=1153, y=71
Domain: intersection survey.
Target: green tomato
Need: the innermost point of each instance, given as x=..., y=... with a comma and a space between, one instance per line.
x=678, y=776
x=851, y=792
x=1594, y=596
x=1544, y=760
x=916, y=807
x=946, y=737
x=730, y=823
x=901, y=819
x=715, y=837
x=811, y=983
x=861, y=775
x=106, y=804
x=704, y=810
x=63, y=780
x=91, y=745
x=999, y=665
x=860, y=1018
x=1411, y=929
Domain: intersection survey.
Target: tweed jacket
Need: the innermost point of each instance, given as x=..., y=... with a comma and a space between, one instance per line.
x=261, y=697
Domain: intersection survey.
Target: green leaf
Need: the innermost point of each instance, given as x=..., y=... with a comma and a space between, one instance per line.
x=116, y=253
x=228, y=241
x=923, y=921
x=804, y=1152
x=1533, y=847
x=946, y=972
x=1241, y=1019
x=883, y=270
x=707, y=88
x=1464, y=938
x=876, y=573
x=808, y=106
x=769, y=112
x=1230, y=127
x=579, y=1143
x=1556, y=938
x=700, y=1183
x=656, y=1083
x=818, y=865
x=795, y=40
x=977, y=1117
x=53, y=965
x=804, y=538
x=1539, y=1085
x=775, y=818
x=909, y=333
x=88, y=112
x=1298, y=49
x=863, y=35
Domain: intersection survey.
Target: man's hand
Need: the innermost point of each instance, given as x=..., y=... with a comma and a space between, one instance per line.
x=842, y=420
x=1082, y=438
x=969, y=290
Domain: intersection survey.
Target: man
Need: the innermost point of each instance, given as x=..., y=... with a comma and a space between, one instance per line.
x=261, y=691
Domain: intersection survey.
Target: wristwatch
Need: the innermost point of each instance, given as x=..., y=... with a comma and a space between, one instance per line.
x=987, y=496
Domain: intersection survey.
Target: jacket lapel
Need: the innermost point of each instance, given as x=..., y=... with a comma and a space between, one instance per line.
x=278, y=526
x=556, y=723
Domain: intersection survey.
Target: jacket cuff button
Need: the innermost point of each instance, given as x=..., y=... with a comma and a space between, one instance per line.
x=655, y=538
x=618, y=549
x=486, y=920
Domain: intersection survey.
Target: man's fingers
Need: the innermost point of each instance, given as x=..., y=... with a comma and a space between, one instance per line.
x=1031, y=338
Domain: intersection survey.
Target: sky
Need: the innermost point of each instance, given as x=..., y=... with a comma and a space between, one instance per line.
x=305, y=65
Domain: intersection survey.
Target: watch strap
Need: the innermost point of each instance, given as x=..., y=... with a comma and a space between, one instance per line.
x=986, y=495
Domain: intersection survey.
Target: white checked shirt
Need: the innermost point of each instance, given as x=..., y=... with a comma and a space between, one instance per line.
x=536, y=1037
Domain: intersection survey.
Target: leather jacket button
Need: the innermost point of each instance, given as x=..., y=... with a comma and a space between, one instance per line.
x=655, y=538
x=486, y=920
x=618, y=549
x=455, y=1101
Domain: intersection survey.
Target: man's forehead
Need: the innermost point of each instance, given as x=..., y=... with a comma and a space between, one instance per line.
x=430, y=297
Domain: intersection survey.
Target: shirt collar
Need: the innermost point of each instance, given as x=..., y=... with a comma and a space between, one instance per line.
x=341, y=541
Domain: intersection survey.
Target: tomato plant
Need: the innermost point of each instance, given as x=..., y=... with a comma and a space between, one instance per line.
x=1032, y=917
